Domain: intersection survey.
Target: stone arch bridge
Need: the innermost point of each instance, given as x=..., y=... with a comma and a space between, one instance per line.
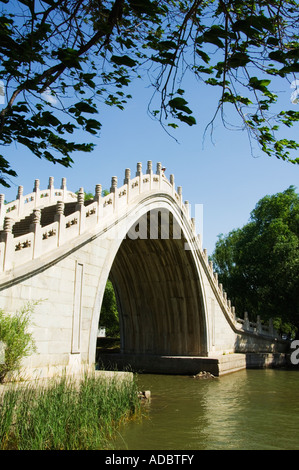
x=174, y=315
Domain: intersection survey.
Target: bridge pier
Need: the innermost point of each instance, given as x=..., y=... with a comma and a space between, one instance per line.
x=190, y=365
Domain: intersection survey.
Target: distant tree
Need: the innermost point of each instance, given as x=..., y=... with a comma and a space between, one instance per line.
x=87, y=196
x=259, y=263
x=61, y=59
x=109, y=313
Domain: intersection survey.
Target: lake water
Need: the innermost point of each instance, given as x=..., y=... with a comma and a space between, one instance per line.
x=245, y=410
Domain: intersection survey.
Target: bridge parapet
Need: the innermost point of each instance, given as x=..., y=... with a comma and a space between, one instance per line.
x=38, y=239
x=257, y=327
x=24, y=204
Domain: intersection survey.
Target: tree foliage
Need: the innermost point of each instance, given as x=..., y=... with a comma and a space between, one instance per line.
x=109, y=313
x=258, y=264
x=61, y=60
x=17, y=339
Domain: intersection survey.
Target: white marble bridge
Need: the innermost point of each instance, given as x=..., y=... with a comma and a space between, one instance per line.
x=60, y=249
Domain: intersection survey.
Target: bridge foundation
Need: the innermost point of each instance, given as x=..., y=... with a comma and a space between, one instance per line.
x=190, y=365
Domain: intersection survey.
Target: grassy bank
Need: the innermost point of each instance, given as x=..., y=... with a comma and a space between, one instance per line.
x=66, y=414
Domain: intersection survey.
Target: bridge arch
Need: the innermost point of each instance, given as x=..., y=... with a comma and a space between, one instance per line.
x=157, y=281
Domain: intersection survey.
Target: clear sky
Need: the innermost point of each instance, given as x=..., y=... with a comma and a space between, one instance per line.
x=222, y=176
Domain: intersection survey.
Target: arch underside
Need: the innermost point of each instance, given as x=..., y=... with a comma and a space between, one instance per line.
x=159, y=296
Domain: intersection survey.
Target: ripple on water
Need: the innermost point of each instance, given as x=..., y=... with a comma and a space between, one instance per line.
x=251, y=409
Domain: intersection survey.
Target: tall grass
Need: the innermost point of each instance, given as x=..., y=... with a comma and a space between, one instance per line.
x=15, y=335
x=66, y=414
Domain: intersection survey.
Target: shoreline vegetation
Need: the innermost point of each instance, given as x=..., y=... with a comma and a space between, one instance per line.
x=66, y=414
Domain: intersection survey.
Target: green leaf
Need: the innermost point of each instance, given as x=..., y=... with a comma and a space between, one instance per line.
x=92, y=125
x=69, y=57
x=83, y=107
x=203, y=55
x=213, y=82
x=279, y=56
x=190, y=120
x=180, y=104
x=238, y=59
x=257, y=84
x=272, y=41
x=123, y=60
x=212, y=39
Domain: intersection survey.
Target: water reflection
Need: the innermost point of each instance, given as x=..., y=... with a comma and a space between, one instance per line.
x=254, y=409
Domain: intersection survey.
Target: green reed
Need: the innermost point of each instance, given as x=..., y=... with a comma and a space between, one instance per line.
x=66, y=414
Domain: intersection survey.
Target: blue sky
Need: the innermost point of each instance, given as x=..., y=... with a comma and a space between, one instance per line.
x=222, y=176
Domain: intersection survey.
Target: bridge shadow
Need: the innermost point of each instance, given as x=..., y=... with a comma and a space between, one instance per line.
x=266, y=360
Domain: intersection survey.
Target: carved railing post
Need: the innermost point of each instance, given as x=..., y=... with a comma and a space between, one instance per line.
x=246, y=323
x=35, y=227
x=80, y=207
x=258, y=324
x=60, y=218
x=180, y=194
x=171, y=180
x=198, y=236
x=149, y=172
x=233, y=310
x=51, y=188
x=193, y=225
x=127, y=176
x=8, y=239
x=139, y=173
x=98, y=197
x=113, y=190
x=187, y=209
x=127, y=182
x=20, y=199
x=98, y=192
x=36, y=190
x=113, y=184
x=64, y=189
x=159, y=173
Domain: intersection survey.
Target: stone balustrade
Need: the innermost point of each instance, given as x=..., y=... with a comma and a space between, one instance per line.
x=17, y=250
x=257, y=327
x=24, y=204
x=89, y=215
